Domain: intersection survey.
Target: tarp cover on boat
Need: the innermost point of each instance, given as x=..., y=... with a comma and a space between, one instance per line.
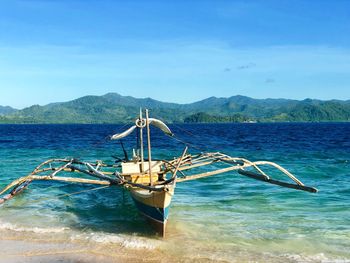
x=160, y=125
x=155, y=122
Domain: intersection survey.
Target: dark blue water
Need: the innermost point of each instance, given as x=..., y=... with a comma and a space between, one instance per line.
x=222, y=217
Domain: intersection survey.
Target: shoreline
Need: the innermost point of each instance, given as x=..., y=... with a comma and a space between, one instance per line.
x=50, y=247
x=58, y=252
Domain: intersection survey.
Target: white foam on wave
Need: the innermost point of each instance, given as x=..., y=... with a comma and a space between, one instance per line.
x=126, y=242
x=321, y=257
x=38, y=230
x=131, y=242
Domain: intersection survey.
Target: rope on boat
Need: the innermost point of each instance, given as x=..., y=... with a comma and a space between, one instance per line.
x=239, y=164
x=73, y=165
x=185, y=162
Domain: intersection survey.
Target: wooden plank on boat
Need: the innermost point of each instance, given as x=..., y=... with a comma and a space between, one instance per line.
x=136, y=167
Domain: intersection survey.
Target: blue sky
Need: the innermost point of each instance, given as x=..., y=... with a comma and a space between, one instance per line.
x=176, y=51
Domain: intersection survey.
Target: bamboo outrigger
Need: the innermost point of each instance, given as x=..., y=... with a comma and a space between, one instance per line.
x=151, y=183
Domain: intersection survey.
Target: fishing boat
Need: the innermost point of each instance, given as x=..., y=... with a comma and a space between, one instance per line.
x=150, y=182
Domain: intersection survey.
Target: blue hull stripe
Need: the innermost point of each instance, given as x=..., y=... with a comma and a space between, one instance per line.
x=159, y=214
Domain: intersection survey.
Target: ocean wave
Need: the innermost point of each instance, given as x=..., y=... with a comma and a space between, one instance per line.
x=38, y=230
x=123, y=241
x=321, y=258
x=131, y=242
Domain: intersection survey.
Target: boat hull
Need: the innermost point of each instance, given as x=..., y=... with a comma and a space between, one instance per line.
x=154, y=206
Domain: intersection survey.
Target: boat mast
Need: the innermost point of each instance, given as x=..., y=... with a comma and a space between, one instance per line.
x=149, y=149
x=141, y=142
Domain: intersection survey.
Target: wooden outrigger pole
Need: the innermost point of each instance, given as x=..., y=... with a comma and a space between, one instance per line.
x=149, y=149
x=152, y=189
x=141, y=143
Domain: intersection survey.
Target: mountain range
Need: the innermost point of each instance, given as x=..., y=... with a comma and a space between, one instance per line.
x=4, y=110
x=115, y=108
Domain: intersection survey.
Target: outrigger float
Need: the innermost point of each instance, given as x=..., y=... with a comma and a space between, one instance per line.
x=151, y=183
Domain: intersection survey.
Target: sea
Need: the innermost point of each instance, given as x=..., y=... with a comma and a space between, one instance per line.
x=223, y=218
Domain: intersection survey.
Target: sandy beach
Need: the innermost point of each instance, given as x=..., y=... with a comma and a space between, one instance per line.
x=33, y=247
x=52, y=245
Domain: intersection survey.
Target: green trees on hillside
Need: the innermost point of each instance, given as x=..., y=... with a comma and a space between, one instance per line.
x=114, y=108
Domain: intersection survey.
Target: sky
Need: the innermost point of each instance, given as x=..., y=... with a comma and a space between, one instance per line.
x=174, y=51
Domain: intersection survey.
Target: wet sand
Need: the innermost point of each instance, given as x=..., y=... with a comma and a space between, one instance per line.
x=41, y=245
x=13, y=251
x=18, y=251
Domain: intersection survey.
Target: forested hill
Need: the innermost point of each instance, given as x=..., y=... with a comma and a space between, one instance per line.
x=115, y=108
x=6, y=110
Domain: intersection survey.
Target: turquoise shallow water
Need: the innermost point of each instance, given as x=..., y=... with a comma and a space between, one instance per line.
x=225, y=217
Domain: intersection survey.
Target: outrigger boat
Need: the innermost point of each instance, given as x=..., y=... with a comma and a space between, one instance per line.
x=151, y=183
